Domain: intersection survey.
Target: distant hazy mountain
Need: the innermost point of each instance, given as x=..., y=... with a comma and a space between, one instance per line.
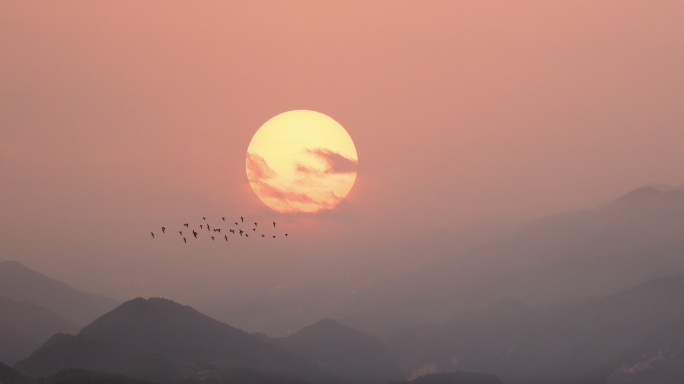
x=636, y=238
x=18, y=282
x=351, y=354
x=24, y=326
x=32, y=320
x=156, y=337
x=557, y=343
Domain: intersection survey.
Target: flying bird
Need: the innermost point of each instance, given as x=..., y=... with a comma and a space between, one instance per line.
x=186, y=224
x=274, y=224
x=255, y=224
x=274, y=237
x=204, y=218
x=224, y=219
x=226, y=236
x=247, y=234
x=163, y=230
x=212, y=238
x=262, y=235
x=254, y=229
x=286, y=235
x=242, y=219
x=200, y=226
x=208, y=229
x=152, y=234
x=194, y=233
x=236, y=223
x=232, y=230
x=185, y=241
x=181, y=233
x=241, y=232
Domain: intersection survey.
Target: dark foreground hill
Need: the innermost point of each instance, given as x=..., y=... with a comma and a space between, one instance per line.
x=9, y=375
x=158, y=339
x=454, y=378
x=19, y=283
x=566, y=342
x=350, y=353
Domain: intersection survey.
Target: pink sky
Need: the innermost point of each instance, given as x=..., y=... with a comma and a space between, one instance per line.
x=118, y=117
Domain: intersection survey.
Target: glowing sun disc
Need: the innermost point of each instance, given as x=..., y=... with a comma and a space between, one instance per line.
x=301, y=161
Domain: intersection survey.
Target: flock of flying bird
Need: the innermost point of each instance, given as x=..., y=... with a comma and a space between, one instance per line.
x=218, y=230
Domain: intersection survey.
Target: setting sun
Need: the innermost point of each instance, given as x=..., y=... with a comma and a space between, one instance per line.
x=301, y=161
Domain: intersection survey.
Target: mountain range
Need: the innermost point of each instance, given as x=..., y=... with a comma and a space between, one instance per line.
x=24, y=326
x=595, y=252
x=347, y=352
x=19, y=283
x=582, y=340
x=158, y=339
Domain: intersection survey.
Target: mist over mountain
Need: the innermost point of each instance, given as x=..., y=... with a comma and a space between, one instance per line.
x=18, y=282
x=562, y=342
x=349, y=353
x=632, y=240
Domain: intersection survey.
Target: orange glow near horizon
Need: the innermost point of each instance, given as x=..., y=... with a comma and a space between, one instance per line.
x=301, y=161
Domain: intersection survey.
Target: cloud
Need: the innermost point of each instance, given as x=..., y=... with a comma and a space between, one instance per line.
x=258, y=169
x=335, y=161
x=307, y=192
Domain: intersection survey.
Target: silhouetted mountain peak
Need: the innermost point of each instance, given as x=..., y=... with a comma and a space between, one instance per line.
x=651, y=195
x=19, y=282
x=350, y=353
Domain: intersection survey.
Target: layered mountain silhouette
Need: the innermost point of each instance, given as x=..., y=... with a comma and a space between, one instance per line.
x=24, y=326
x=350, y=353
x=632, y=240
x=565, y=342
x=20, y=283
x=158, y=339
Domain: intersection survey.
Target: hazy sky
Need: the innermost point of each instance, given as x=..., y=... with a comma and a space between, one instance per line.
x=119, y=117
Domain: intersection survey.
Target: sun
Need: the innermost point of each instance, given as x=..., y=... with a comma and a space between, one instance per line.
x=301, y=161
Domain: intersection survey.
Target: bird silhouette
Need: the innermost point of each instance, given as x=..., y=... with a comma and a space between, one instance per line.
x=241, y=232
x=219, y=230
x=254, y=229
x=236, y=223
x=212, y=238
x=224, y=219
x=232, y=230
x=186, y=224
x=208, y=229
x=247, y=234
x=152, y=234
x=185, y=241
x=200, y=226
x=194, y=233
x=226, y=236
x=274, y=224
x=286, y=235
x=181, y=233
x=262, y=235
x=242, y=219
x=255, y=224
x=274, y=237
x=204, y=218
x=163, y=230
